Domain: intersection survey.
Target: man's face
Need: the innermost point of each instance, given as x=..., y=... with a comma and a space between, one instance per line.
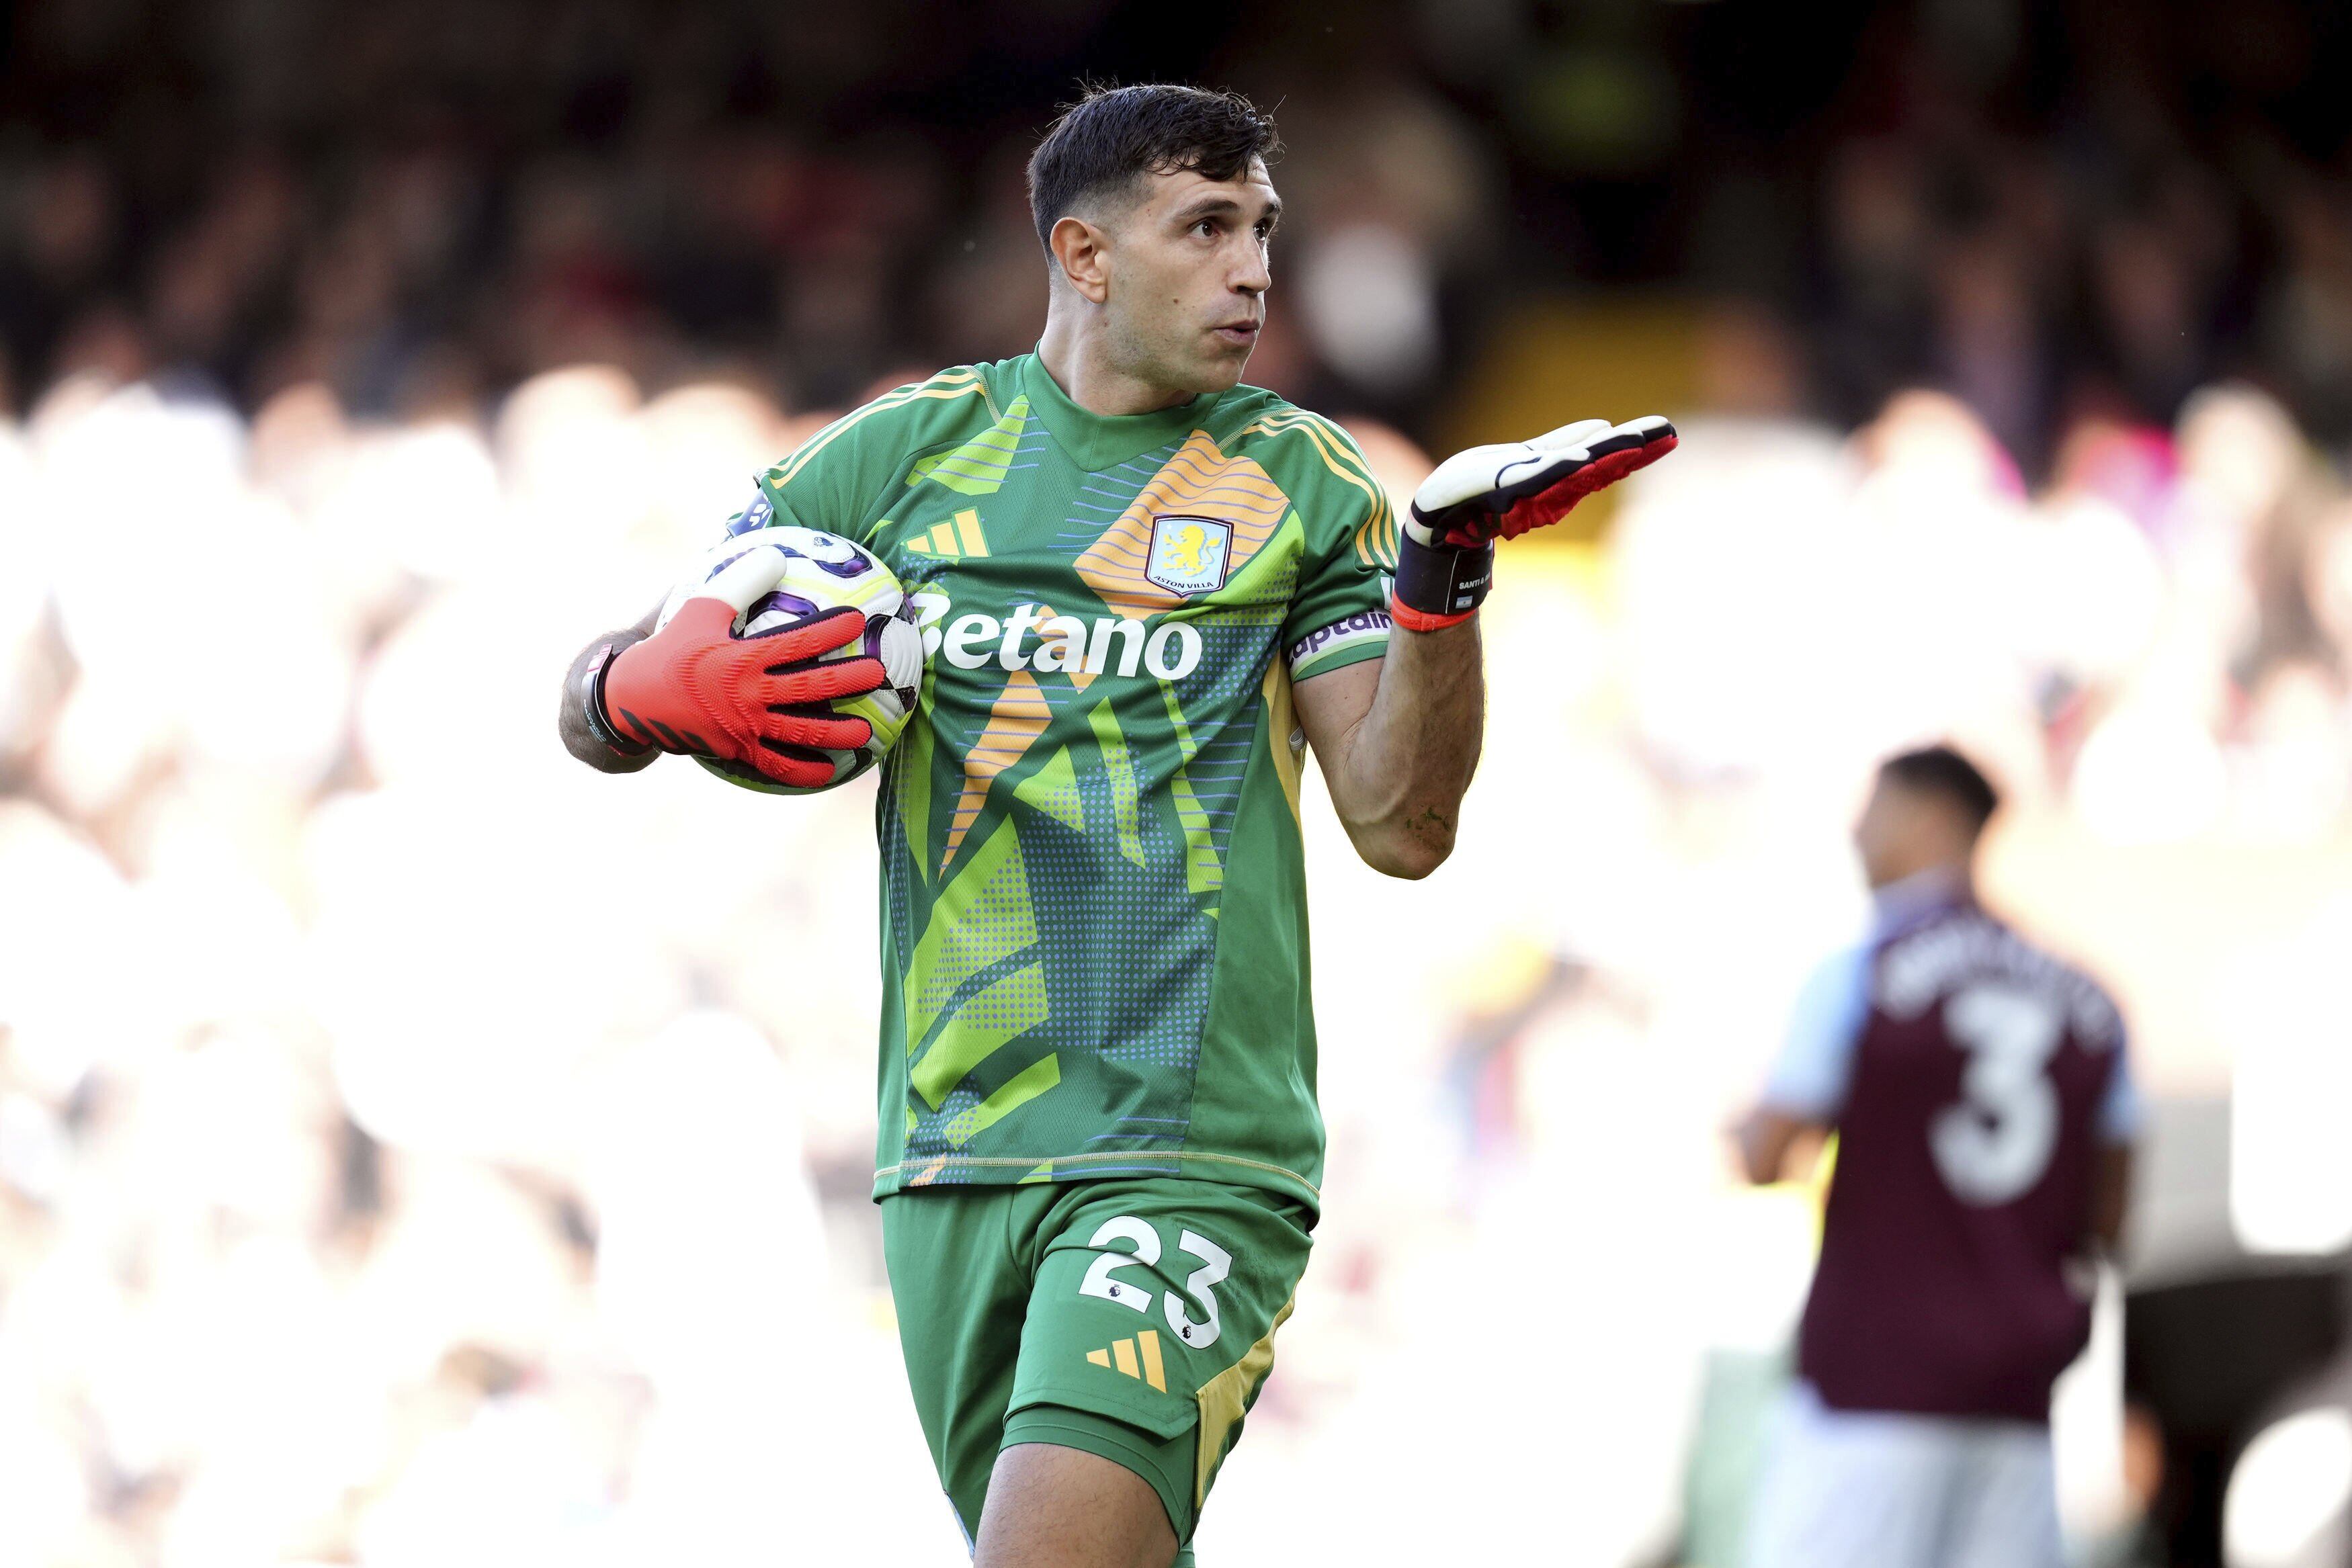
x=1880, y=833
x=1903, y=831
x=1187, y=279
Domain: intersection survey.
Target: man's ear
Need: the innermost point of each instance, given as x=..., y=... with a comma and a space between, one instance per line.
x=1082, y=255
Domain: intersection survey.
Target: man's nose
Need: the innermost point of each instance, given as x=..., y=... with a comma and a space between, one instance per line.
x=1253, y=276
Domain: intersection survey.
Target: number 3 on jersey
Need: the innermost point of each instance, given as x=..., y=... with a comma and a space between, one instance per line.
x=1102, y=1277
x=1993, y=1145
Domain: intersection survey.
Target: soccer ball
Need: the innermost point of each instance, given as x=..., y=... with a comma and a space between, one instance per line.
x=823, y=571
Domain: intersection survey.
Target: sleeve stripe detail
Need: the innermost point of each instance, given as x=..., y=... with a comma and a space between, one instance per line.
x=949, y=385
x=1328, y=438
x=1339, y=659
x=939, y=387
x=1376, y=541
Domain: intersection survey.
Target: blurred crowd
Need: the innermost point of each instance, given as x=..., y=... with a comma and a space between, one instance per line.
x=2054, y=212
x=391, y=1174
x=2105, y=278
x=385, y=1177
x=439, y=202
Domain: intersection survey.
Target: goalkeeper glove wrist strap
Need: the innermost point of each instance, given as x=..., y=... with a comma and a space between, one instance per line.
x=592, y=693
x=1439, y=586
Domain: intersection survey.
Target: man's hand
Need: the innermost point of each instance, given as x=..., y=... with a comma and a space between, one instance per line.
x=695, y=686
x=1499, y=491
x=1446, y=560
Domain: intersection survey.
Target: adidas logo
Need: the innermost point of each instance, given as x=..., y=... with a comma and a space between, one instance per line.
x=1122, y=1356
x=954, y=540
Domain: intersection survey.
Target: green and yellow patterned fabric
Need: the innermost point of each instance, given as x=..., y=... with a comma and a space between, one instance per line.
x=1093, y=945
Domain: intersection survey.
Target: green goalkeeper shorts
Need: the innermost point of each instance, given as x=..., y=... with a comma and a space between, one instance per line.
x=1130, y=1318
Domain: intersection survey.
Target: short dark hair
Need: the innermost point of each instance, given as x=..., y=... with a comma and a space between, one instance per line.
x=1115, y=135
x=1940, y=772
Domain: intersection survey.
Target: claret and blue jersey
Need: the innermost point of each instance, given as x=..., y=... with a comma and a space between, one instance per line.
x=1971, y=1077
x=1094, y=951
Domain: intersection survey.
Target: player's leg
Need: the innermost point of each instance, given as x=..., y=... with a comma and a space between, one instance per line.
x=1051, y=1507
x=1850, y=1489
x=960, y=1295
x=2005, y=1512
x=1151, y=1330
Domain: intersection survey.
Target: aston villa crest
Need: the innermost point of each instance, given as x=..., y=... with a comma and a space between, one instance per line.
x=1189, y=554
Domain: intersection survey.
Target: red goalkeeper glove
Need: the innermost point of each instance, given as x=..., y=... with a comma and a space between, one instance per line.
x=1445, y=556
x=764, y=702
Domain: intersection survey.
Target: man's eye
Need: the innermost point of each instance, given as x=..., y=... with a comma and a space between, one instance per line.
x=1207, y=228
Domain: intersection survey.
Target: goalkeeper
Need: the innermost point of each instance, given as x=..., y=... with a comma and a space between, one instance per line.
x=1145, y=589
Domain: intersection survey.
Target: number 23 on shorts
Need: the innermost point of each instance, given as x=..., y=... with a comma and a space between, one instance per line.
x=1142, y=1253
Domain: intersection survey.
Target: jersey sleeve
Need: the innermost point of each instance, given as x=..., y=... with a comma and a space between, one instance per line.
x=1339, y=612
x=2121, y=1115
x=846, y=477
x=1810, y=1078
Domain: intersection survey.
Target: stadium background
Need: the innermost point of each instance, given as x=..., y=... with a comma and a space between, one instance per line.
x=416, y=1149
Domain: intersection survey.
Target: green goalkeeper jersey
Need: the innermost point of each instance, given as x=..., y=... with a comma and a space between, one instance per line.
x=1094, y=927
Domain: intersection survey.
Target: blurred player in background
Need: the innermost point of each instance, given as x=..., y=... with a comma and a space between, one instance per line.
x=1144, y=588
x=1984, y=1112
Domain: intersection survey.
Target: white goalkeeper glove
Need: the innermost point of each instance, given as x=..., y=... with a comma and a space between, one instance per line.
x=1446, y=557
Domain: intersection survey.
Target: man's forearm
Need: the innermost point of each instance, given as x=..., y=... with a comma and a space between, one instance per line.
x=1402, y=768
x=1410, y=758
x=580, y=738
